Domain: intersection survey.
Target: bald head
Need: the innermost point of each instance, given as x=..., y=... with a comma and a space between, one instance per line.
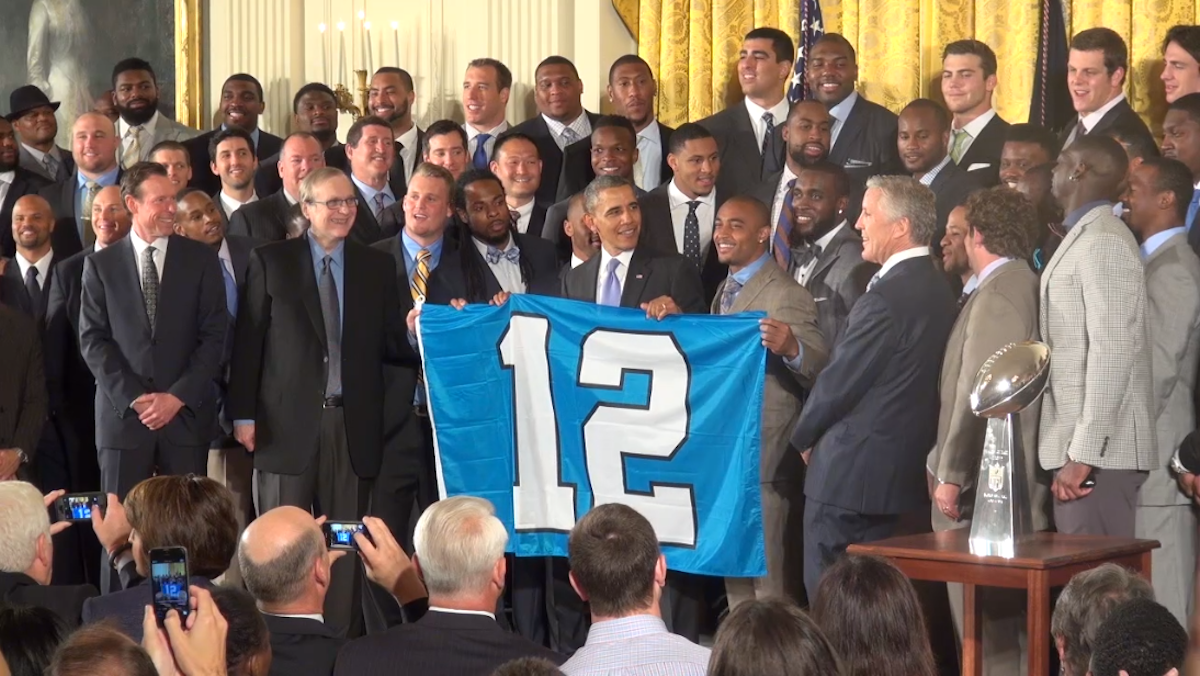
x=32, y=223
x=94, y=144
x=282, y=559
x=1092, y=168
x=110, y=218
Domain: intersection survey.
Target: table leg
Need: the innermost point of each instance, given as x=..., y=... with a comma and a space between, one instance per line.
x=1144, y=564
x=972, y=642
x=1038, y=622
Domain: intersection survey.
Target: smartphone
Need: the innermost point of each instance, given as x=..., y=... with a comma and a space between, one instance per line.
x=340, y=534
x=79, y=506
x=169, y=575
x=1090, y=481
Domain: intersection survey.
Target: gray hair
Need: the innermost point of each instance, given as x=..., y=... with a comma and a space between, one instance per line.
x=591, y=194
x=905, y=197
x=1085, y=603
x=457, y=543
x=282, y=578
x=25, y=519
x=308, y=187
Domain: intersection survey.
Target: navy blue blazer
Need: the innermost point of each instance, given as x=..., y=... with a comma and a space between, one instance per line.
x=127, y=607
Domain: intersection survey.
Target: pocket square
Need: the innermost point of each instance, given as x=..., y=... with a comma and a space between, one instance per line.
x=979, y=165
x=820, y=300
x=856, y=164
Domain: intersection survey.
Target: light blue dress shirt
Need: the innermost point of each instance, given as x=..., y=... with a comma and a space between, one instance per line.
x=104, y=180
x=745, y=275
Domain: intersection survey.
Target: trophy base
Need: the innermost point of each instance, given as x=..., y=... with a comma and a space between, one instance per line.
x=1001, y=517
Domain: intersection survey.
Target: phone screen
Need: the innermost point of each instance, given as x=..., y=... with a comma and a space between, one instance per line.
x=340, y=534
x=78, y=506
x=169, y=581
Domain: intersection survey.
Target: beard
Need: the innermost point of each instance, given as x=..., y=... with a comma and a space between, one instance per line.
x=399, y=112
x=797, y=155
x=325, y=135
x=138, y=116
x=10, y=166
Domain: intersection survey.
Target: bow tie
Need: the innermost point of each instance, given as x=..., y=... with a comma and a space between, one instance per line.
x=513, y=254
x=803, y=254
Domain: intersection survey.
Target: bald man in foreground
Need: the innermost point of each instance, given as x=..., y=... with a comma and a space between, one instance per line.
x=94, y=144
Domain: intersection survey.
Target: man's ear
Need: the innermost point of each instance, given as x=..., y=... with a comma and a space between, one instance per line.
x=575, y=585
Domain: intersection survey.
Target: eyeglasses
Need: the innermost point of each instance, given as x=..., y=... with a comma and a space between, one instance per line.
x=335, y=204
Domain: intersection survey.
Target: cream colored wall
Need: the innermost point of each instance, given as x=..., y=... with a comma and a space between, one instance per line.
x=278, y=42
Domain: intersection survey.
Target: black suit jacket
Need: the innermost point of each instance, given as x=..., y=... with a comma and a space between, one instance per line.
x=264, y=220
x=872, y=415
x=127, y=607
x=22, y=384
x=985, y=150
x=24, y=183
x=181, y=354
x=658, y=233
x=15, y=294
x=301, y=646
x=552, y=158
x=577, y=164
x=950, y=188
x=650, y=275
x=439, y=644
x=866, y=147
x=743, y=164
x=537, y=220
x=449, y=281
x=1119, y=115
x=278, y=372
x=202, y=176
x=66, y=240
x=368, y=230
x=66, y=601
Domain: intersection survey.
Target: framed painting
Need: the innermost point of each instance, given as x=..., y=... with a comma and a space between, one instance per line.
x=69, y=47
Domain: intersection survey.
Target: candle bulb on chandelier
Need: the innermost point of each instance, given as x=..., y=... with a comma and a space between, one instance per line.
x=362, y=27
x=396, y=39
x=369, y=62
x=341, y=49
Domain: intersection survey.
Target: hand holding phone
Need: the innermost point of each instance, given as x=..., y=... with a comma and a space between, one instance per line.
x=79, y=506
x=169, y=575
x=339, y=535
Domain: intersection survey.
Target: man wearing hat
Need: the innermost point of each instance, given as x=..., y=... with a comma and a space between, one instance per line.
x=31, y=112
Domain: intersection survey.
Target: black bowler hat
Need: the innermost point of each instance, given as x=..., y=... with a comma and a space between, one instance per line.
x=24, y=99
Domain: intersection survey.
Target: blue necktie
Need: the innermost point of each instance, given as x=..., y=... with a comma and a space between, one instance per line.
x=231, y=298
x=480, y=158
x=610, y=293
x=1193, y=207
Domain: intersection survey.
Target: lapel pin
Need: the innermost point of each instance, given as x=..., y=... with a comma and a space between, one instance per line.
x=637, y=276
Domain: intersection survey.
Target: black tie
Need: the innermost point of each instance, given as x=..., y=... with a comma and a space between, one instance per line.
x=333, y=328
x=768, y=126
x=691, y=234
x=34, y=291
x=962, y=300
x=399, y=163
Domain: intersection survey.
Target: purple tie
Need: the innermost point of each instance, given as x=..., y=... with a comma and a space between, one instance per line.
x=610, y=293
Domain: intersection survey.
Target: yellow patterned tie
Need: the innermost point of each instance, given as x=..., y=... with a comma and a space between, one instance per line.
x=420, y=279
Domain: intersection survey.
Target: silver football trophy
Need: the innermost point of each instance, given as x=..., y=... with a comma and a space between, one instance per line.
x=1010, y=381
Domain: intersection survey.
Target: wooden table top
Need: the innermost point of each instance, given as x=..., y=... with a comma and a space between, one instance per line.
x=1039, y=551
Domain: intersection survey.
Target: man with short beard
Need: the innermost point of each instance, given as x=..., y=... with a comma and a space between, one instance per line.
x=923, y=141
x=141, y=126
x=267, y=219
x=391, y=97
x=31, y=112
x=314, y=111
x=233, y=160
x=15, y=182
x=27, y=276
x=94, y=147
x=954, y=253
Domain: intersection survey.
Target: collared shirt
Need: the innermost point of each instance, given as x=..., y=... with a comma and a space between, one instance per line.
x=40, y=156
x=839, y=113
x=780, y=193
x=7, y=178
x=292, y=201
x=705, y=213
x=337, y=266
x=456, y=611
x=103, y=180
x=125, y=133
x=973, y=129
x=1093, y=118
x=802, y=274
x=369, y=194
x=622, y=269
x=650, y=156
x=899, y=257
x=412, y=248
x=1073, y=217
x=1153, y=242
x=927, y=179
x=971, y=285
x=637, y=646
x=42, y=265
x=231, y=205
x=472, y=142
x=300, y=616
x=409, y=150
x=507, y=273
x=778, y=113
x=990, y=268
x=160, y=253
x=254, y=135
x=576, y=261
x=581, y=125
x=524, y=213
x=227, y=258
x=743, y=277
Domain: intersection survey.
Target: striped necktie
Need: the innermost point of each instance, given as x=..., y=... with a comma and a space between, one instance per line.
x=420, y=279
x=783, y=229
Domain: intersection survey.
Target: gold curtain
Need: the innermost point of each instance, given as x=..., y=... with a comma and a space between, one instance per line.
x=692, y=45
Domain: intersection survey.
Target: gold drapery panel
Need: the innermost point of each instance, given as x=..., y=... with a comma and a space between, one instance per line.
x=692, y=45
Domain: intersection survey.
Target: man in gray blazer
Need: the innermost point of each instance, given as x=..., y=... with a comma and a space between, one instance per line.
x=1098, y=410
x=1158, y=197
x=999, y=238
x=798, y=352
x=141, y=126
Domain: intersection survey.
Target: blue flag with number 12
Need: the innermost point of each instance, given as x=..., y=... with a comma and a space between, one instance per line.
x=547, y=407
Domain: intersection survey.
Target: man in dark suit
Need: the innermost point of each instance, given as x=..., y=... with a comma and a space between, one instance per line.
x=391, y=97
x=152, y=330
x=1096, y=69
x=872, y=415
x=610, y=150
x=266, y=219
x=28, y=275
x=1181, y=141
x=561, y=119
x=232, y=152
x=94, y=146
x=487, y=84
x=317, y=320
x=827, y=254
x=241, y=104
x=15, y=182
x=862, y=133
x=924, y=144
x=314, y=111
x=460, y=555
x=31, y=112
x=22, y=394
x=518, y=165
x=631, y=90
x=371, y=152
x=977, y=133
x=749, y=133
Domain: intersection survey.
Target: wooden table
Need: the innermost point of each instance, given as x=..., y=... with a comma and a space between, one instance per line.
x=1043, y=561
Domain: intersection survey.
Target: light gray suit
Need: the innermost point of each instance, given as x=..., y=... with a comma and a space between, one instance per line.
x=1002, y=309
x=27, y=161
x=1164, y=513
x=771, y=290
x=1099, y=406
x=165, y=129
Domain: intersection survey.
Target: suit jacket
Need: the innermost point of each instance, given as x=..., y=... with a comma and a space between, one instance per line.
x=439, y=644
x=197, y=147
x=181, y=354
x=22, y=382
x=15, y=294
x=25, y=182
x=836, y=282
x=658, y=233
x=871, y=418
x=552, y=157
x=26, y=161
x=950, y=188
x=1119, y=115
x=239, y=255
x=651, y=274
x=577, y=164
x=301, y=646
x=449, y=281
x=552, y=229
x=165, y=129
x=774, y=292
x=1173, y=316
x=537, y=220
x=66, y=240
x=1001, y=310
x=278, y=371
x=743, y=164
x=866, y=147
x=66, y=601
x=367, y=229
x=126, y=608
x=264, y=220
x=1099, y=404
x=982, y=159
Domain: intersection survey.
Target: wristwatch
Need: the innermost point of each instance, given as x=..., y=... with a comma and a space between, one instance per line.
x=1176, y=466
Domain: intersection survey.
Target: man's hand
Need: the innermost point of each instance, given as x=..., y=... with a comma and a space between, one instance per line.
x=386, y=563
x=244, y=433
x=458, y=303
x=200, y=650
x=48, y=500
x=162, y=409
x=411, y=320
x=500, y=298
x=946, y=497
x=112, y=529
x=778, y=338
x=1187, y=484
x=661, y=307
x=1066, y=486
x=331, y=555
x=10, y=462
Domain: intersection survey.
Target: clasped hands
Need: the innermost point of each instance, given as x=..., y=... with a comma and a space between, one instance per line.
x=156, y=410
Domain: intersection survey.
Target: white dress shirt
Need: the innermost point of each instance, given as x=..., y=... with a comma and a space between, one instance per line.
x=622, y=269
x=780, y=194
x=839, y=113
x=42, y=265
x=705, y=213
x=125, y=133
x=899, y=257
x=973, y=129
x=456, y=611
x=6, y=180
x=472, y=133
x=231, y=205
x=647, y=171
x=802, y=274
x=160, y=253
x=524, y=213
x=408, y=155
x=778, y=111
x=300, y=616
x=1093, y=118
x=581, y=125
x=576, y=261
x=226, y=258
x=507, y=273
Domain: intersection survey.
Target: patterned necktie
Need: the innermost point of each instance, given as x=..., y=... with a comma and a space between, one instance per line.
x=610, y=293
x=150, y=285
x=131, y=156
x=691, y=233
x=962, y=300
x=959, y=144
x=639, y=167
x=769, y=123
x=480, y=159
x=50, y=165
x=874, y=279
x=1193, y=207
x=783, y=229
x=569, y=136
x=89, y=235
x=805, y=253
x=1080, y=132
x=231, y=292
x=379, y=204
x=330, y=311
x=420, y=279
x=512, y=255
x=729, y=294
x=33, y=290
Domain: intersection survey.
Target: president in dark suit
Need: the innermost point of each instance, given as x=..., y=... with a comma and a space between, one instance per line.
x=152, y=330
x=94, y=147
x=871, y=418
x=1096, y=68
x=924, y=144
x=266, y=219
x=241, y=104
x=19, y=183
x=977, y=132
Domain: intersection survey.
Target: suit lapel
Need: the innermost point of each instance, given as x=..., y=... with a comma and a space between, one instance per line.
x=1172, y=241
x=754, y=286
x=15, y=282
x=309, y=293
x=129, y=270
x=635, y=279
x=664, y=137
x=582, y=286
x=240, y=257
x=829, y=254
x=851, y=128
x=1068, y=240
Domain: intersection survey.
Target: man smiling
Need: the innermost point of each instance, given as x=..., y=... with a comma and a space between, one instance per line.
x=1096, y=68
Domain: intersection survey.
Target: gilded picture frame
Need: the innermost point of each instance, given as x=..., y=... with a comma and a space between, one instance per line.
x=189, y=62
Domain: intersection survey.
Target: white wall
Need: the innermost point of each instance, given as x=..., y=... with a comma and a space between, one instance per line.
x=278, y=42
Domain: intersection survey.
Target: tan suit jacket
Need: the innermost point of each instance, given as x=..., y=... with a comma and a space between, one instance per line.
x=1003, y=309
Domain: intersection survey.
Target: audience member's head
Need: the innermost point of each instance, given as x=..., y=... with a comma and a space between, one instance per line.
x=772, y=637
x=1181, y=132
x=446, y=146
x=869, y=612
x=198, y=218
x=616, y=565
x=1139, y=638
x=516, y=160
x=193, y=512
x=765, y=64
x=314, y=110
x=611, y=210
x=741, y=231
x=233, y=159
x=100, y=650
x=10, y=157
x=1137, y=145
x=28, y=639
x=1096, y=67
x=898, y=213
x=247, y=640
x=429, y=203
x=282, y=558
x=458, y=548
x=528, y=666
x=954, y=244
x=105, y=103
x=1085, y=603
x=32, y=224
x=301, y=155
x=242, y=101
x=558, y=91
x=391, y=96
x=1025, y=147
x=923, y=136
x=695, y=158
x=968, y=78
x=135, y=90
x=1160, y=191
x=36, y=122
x=371, y=150
x=614, y=146
x=174, y=157
x=25, y=532
x=1181, y=61
x=584, y=241
x=94, y=144
x=819, y=200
